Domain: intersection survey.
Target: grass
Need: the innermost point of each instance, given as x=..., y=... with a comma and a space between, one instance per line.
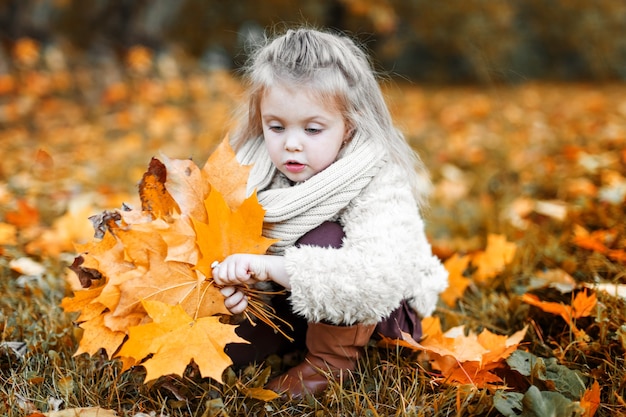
x=486, y=148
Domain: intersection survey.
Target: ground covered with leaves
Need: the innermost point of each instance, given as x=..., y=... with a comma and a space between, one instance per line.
x=527, y=211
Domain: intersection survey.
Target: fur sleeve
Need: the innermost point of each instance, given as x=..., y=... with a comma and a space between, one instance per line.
x=385, y=258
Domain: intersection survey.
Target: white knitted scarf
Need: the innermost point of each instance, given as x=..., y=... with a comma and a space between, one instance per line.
x=293, y=211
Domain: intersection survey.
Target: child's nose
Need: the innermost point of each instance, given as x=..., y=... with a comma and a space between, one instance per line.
x=293, y=142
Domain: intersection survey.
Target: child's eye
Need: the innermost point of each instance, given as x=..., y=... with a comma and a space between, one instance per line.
x=312, y=130
x=276, y=128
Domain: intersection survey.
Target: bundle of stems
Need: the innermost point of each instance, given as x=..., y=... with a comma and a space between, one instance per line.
x=259, y=309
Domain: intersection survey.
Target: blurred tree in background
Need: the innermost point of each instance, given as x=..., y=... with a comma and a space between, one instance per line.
x=428, y=41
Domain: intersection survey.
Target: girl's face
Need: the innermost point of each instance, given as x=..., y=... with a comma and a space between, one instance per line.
x=302, y=134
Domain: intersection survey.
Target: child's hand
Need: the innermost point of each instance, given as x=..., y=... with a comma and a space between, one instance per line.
x=248, y=269
x=240, y=269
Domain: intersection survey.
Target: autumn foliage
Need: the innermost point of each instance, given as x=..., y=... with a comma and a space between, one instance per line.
x=148, y=297
x=527, y=212
x=460, y=358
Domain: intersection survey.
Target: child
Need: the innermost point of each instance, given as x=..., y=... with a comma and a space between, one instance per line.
x=342, y=191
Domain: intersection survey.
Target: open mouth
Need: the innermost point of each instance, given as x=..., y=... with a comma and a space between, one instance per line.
x=294, y=166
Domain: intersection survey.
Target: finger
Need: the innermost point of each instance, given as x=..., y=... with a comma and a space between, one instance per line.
x=228, y=291
x=240, y=307
x=218, y=275
x=234, y=299
x=232, y=271
x=215, y=267
x=222, y=276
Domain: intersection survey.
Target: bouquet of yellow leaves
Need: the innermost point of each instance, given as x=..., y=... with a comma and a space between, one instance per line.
x=147, y=294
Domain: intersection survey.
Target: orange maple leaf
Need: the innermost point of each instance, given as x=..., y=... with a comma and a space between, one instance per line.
x=174, y=339
x=84, y=302
x=172, y=283
x=23, y=216
x=591, y=400
x=594, y=241
x=462, y=358
x=599, y=241
x=582, y=306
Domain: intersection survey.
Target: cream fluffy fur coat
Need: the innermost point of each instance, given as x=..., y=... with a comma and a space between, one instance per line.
x=385, y=258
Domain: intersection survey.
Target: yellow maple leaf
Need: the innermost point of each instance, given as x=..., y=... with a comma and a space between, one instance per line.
x=96, y=336
x=228, y=231
x=84, y=302
x=162, y=254
x=457, y=283
x=493, y=259
x=175, y=339
x=172, y=283
x=227, y=175
x=260, y=393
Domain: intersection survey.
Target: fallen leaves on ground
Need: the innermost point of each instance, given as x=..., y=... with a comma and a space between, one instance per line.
x=486, y=265
x=462, y=357
x=606, y=242
x=542, y=165
x=78, y=412
x=583, y=305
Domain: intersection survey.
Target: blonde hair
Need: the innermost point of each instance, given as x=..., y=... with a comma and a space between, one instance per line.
x=336, y=68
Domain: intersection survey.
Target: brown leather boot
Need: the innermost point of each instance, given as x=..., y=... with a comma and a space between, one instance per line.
x=331, y=351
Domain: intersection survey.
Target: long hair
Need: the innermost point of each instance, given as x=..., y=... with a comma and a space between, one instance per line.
x=340, y=72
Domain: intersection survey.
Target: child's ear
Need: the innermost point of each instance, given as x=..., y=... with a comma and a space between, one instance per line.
x=349, y=134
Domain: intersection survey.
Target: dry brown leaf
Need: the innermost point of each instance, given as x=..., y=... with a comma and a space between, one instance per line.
x=155, y=199
x=188, y=185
